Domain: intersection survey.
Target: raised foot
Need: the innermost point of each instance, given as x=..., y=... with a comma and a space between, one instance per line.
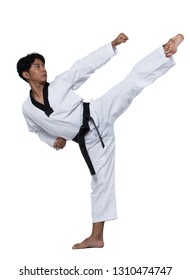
x=171, y=46
x=89, y=242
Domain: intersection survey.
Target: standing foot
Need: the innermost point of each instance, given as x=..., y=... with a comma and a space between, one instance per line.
x=95, y=240
x=90, y=242
x=171, y=46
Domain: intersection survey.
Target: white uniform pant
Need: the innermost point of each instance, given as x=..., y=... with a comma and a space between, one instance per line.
x=105, y=110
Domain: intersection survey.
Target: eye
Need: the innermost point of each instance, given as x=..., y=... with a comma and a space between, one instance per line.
x=36, y=66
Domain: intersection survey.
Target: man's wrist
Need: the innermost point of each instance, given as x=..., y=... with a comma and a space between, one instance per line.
x=114, y=44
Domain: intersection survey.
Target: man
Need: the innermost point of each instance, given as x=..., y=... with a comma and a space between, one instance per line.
x=57, y=114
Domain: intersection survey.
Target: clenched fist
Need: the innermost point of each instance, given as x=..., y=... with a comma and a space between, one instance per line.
x=59, y=143
x=121, y=38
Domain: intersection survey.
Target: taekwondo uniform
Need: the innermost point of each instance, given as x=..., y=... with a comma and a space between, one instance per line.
x=62, y=116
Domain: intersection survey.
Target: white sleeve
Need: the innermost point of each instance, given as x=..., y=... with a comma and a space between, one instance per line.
x=83, y=68
x=43, y=135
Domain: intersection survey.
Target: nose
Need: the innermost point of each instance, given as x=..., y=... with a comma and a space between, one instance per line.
x=43, y=69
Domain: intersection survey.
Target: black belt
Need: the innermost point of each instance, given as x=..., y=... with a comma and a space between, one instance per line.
x=80, y=137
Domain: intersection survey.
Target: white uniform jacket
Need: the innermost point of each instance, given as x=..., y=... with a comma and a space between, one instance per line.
x=66, y=118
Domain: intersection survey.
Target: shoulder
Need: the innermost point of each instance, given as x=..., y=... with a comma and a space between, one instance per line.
x=26, y=102
x=26, y=106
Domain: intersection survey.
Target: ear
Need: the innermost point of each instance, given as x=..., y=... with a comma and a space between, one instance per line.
x=26, y=75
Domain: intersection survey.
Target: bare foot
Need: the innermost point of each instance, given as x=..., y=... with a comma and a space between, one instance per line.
x=90, y=242
x=171, y=46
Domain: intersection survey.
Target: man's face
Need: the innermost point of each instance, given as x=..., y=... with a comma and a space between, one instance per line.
x=37, y=72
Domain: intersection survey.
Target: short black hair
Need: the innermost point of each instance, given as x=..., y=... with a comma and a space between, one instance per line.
x=26, y=62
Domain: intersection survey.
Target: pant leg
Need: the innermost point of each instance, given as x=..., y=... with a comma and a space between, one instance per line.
x=105, y=111
x=103, y=199
x=112, y=104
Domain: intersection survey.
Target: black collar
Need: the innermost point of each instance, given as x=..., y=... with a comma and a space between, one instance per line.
x=44, y=107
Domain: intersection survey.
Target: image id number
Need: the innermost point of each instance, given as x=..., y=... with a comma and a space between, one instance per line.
x=142, y=270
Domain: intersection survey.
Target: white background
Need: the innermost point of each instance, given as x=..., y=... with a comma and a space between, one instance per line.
x=45, y=195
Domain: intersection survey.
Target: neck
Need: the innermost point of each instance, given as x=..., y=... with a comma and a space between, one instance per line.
x=37, y=90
